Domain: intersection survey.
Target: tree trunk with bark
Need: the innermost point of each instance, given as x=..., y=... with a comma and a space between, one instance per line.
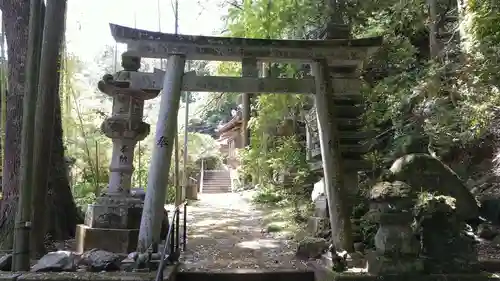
x=15, y=17
x=63, y=214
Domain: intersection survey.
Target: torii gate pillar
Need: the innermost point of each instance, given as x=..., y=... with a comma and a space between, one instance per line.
x=162, y=153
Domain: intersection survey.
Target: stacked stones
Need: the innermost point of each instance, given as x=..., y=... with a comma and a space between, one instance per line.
x=418, y=233
x=397, y=248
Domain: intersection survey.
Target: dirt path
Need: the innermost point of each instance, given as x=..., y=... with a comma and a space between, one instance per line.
x=225, y=231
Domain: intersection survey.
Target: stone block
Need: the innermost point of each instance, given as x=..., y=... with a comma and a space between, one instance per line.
x=168, y=274
x=353, y=260
x=116, y=216
x=381, y=265
x=320, y=206
x=112, y=240
x=315, y=225
x=192, y=192
x=9, y=276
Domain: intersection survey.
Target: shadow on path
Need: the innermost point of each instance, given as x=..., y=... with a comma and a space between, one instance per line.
x=225, y=231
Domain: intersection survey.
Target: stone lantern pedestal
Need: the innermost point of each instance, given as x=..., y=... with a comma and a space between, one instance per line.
x=112, y=222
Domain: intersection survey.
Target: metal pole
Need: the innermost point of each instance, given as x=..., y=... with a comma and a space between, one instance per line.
x=184, y=234
x=178, y=192
x=149, y=233
x=176, y=17
x=177, y=228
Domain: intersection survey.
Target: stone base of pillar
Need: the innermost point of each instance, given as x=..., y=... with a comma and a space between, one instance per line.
x=378, y=264
x=119, y=213
x=108, y=239
x=111, y=224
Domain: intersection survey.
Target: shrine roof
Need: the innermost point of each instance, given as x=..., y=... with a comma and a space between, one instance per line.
x=236, y=121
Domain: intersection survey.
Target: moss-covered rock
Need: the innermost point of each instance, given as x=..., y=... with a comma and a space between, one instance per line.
x=383, y=191
x=445, y=247
x=311, y=247
x=425, y=173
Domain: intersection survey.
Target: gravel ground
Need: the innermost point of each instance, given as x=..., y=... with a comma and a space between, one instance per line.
x=487, y=250
x=225, y=232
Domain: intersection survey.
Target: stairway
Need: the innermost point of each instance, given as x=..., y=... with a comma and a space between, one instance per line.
x=216, y=181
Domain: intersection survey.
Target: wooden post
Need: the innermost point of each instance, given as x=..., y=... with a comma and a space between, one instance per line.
x=166, y=128
x=334, y=179
x=309, y=143
x=249, y=69
x=433, y=18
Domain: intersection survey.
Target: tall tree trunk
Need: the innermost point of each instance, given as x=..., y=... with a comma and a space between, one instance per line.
x=15, y=16
x=47, y=102
x=63, y=214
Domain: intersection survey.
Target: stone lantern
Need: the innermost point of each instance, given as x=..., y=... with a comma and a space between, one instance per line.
x=116, y=214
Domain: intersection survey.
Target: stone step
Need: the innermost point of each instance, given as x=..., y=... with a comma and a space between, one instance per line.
x=211, y=174
x=349, y=124
x=216, y=188
x=348, y=111
x=345, y=150
x=349, y=165
x=216, y=176
x=216, y=185
x=348, y=100
x=217, y=180
x=242, y=274
x=215, y=191
x=207, y=177
x=352, y=134
x=219, y=190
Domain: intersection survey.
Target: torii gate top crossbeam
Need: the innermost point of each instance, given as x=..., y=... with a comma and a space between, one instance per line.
x=150, y=44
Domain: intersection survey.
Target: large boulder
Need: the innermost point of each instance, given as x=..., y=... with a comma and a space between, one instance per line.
x=425, y=173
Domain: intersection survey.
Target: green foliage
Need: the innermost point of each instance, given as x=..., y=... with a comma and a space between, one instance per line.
x=413, y=102
x=485, y=15
x=92, y=150
x=268, y=195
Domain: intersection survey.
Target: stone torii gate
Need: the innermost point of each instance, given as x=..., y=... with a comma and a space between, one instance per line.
x=323, y=55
